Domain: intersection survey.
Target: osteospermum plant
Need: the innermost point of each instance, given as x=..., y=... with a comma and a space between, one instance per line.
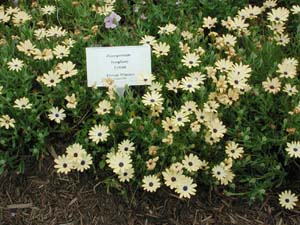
x=221, y=109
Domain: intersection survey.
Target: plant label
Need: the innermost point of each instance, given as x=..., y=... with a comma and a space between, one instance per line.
x=123, y=64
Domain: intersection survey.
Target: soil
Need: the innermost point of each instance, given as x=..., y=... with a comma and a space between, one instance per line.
x=42, y=197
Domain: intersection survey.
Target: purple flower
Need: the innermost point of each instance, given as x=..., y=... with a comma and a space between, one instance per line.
x=112, y=20
x=143, y=17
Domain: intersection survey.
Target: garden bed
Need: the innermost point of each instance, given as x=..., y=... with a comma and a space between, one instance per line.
x=40, y=197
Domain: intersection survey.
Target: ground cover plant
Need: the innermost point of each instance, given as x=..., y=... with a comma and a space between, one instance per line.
x=221, y=109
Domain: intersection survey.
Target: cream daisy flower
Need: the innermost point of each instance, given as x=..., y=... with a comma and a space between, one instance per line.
x=197, y=77
x=126, y=175
x=75, y=152
x=15, y=64
x=287, y=199
x=282, y=39
x=40, y=33
x=126, y=146
x=99, y=133
x=63, y=164
x=71, y=101
x=169, y=125
x=146, y=78
x=156, y=110
x=151, y=163
x=224, y=65
x=26, y=47
x=172, y=178
x=104, y=107
x=84, y=162
x=270, y=4
x=191, y=163
x=272, y=85
x=155, y=86
x=186, y=35
x=56, y=114
x=295, y=9
x=160, y=49
x=239, y=24
x=48, y=9
x=228, y=178
x=211, y=106
x=177, y=167
x=185, y=187
x=148, y=39
x=189, y=107
x=20, y=18
x=168, y=29
x=278, y=15
x=7, y=122
x=191, y=60
x=288, y=68
x=233, y=150
x=216, y=128
x=242, y=70
x=152, y=98
x=151, y=183
x=293, y=149
x=184, y=47
x=237, y=81
x=56, y=31
x=169, y=139
x=61, y=51
x=46, y=54
x=219, y=172
x=277, y=28
x=209, y=22
x=119, y=162
x=50, y=79
x=22, y=103
x=4, y=17
x=180, y=118
x=250, y=12
x=290, y=90
x=66, y=69
x=189, y=84
x=173, y=85
x=229, y=40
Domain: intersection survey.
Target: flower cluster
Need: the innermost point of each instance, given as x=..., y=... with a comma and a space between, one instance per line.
x=76, y=158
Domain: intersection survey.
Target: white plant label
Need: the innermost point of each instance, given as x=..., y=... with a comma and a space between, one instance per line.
x=124, y=64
